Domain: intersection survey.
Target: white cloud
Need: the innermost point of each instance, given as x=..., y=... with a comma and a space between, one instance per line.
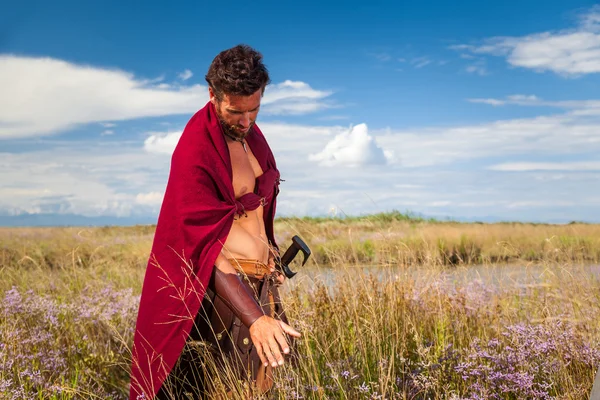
x=539, y=203
x=149, y=199
x=477, y=69
x=548, y=166
x=107, y=132
x=293, y=107
x=334, y=117
x=518, y=99
x=491, y=102
x=578, y=107
x=441, y=171
x=523, y=98
x=439, y=203
x=568, y=133
x=42, y=96
x=352, y=148
x=590, y=21
x=569, y=52
x=544, y=136
x=162, y=143
x=382, y=56
x=420, y=62
x=288, y=139
x=185, y=75
x=293, y=97
x=478, y=64
x=88, y=178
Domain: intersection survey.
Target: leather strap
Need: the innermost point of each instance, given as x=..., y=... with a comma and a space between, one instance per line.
x=234, y=293
x=252, y=268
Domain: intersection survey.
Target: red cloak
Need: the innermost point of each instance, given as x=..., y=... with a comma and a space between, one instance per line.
x=196, y=216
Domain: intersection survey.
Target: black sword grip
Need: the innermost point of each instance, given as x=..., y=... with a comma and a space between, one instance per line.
x=297, y=245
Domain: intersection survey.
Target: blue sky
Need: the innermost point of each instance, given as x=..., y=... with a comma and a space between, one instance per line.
x=451, y=109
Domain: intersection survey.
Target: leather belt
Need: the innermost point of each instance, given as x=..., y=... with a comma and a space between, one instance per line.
x=252, y=268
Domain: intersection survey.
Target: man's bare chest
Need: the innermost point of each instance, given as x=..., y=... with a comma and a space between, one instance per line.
x=245, y=169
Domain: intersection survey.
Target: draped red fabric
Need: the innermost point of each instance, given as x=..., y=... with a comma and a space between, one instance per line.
x=196, y=216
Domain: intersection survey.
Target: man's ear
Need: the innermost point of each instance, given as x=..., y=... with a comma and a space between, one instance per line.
x=211, y=95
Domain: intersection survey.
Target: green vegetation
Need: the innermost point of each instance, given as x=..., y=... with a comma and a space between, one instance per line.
x=400, y=239
x=383, y=217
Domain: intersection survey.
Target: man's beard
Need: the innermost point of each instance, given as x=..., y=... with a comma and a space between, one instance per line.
x=232, y=130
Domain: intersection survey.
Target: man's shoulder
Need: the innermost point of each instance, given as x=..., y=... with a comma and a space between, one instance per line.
x=198, y=121
x=196, y=131
x=196, y=145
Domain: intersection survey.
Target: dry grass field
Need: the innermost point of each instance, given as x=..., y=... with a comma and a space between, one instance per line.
x=390, y=307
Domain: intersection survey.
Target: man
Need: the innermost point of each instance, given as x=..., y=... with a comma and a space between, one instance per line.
x=210, y=281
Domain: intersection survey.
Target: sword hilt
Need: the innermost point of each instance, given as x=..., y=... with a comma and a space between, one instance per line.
x=285, y=260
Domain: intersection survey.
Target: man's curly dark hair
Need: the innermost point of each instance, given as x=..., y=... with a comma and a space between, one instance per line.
x=237, y=71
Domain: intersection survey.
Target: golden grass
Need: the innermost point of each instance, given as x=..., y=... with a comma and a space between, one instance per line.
x=449, y=243
x=443, y=311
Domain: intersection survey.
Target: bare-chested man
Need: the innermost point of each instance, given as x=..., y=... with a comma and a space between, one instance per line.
x=211, y=281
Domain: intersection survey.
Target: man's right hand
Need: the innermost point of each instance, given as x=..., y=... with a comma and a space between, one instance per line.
x=268, y=337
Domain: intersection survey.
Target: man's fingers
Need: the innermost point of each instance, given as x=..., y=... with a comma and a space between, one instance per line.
x=259, y=349
x=269, y=353
x=282, y=342
x=269, y=340
x=276, y=353
x=289, y=330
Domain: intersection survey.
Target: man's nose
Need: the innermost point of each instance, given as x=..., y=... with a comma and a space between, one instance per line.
x=245, y=120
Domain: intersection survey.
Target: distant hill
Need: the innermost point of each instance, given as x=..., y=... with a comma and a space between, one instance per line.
x=72, y=220
x=81, y=220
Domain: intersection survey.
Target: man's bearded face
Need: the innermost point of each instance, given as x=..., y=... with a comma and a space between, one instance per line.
x=237, y=114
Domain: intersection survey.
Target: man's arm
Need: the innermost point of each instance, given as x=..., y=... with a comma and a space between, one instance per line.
x=266, y=332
